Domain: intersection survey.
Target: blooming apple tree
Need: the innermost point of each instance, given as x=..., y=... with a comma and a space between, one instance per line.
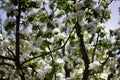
x=57, y=40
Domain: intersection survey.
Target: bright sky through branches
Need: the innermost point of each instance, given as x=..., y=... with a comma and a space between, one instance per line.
x=113, y=22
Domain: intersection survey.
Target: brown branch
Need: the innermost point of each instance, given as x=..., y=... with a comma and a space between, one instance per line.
x=44, y=54
x=91, y=39
x=95, y=46
x=53, y=62
x=83, y=51
x=7, y=64
x=11, y=52
x=3, y=79
x=17, y=37
x=7, y=58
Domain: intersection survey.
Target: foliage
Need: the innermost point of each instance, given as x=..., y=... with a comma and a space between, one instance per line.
x=58, y=40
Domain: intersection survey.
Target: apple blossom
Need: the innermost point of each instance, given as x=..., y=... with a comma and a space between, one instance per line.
x=79, y=4
x=50, y=40
x=5, y=43
x=41, y=73
x=60, y=75
x=59, y=61
x=47, y=68
x=104, y=76
x=60, y=36
x=94, y=65
x=56, y=30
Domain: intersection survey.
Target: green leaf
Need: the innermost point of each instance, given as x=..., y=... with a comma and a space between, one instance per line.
x=46, y=43
x=31, y=18
x=59, y=42
x=9, y=26
x=47, y=35
x=49, y=75
x=2, y=73
x=35, y=27
x=43, y=18
x=72, y=43
x=40, y=33
x=10, y=14
x=34, y=54
x=19, y=71
x=22, y=36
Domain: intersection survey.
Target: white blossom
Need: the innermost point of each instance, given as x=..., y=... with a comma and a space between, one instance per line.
x=32, y=11
x=26, y=32
x=26, y=46
x=80, y=14
x=39, y=41
x=36, y=49
x=93, y=65
x=79, y=60
x=70, y=65
x=59, y=61
x=80, y=71
x=118, y=32
x=91, y=27
x=79, y=4
x=56, y=30
x=99, y=10
x=47, y=68
x=60, y=75
x=104, y=75
x=70, y=2
x=60, y=36
x=74, y=57
x=66, y=58
x=41, y=73
x=107, y=11
x=9, y=7
x=5, y=43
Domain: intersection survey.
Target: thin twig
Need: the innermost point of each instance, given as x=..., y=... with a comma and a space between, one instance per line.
x=11, y=52
x=95, y=46
x=53, y=62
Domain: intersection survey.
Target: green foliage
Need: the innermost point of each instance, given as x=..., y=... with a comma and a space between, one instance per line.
x=34, y=54
x=2, y=73
x=43, y=54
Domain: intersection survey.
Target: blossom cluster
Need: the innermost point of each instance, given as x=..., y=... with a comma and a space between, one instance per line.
x=49, y=44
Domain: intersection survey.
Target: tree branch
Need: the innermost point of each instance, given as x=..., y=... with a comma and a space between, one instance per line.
x=83, y=51
x=7, y=58
x=11, y=52
x=53, y=62
x=91, y=39
x=7, y=64
x=17, y=37
x=95, y=46
x=44, y=54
